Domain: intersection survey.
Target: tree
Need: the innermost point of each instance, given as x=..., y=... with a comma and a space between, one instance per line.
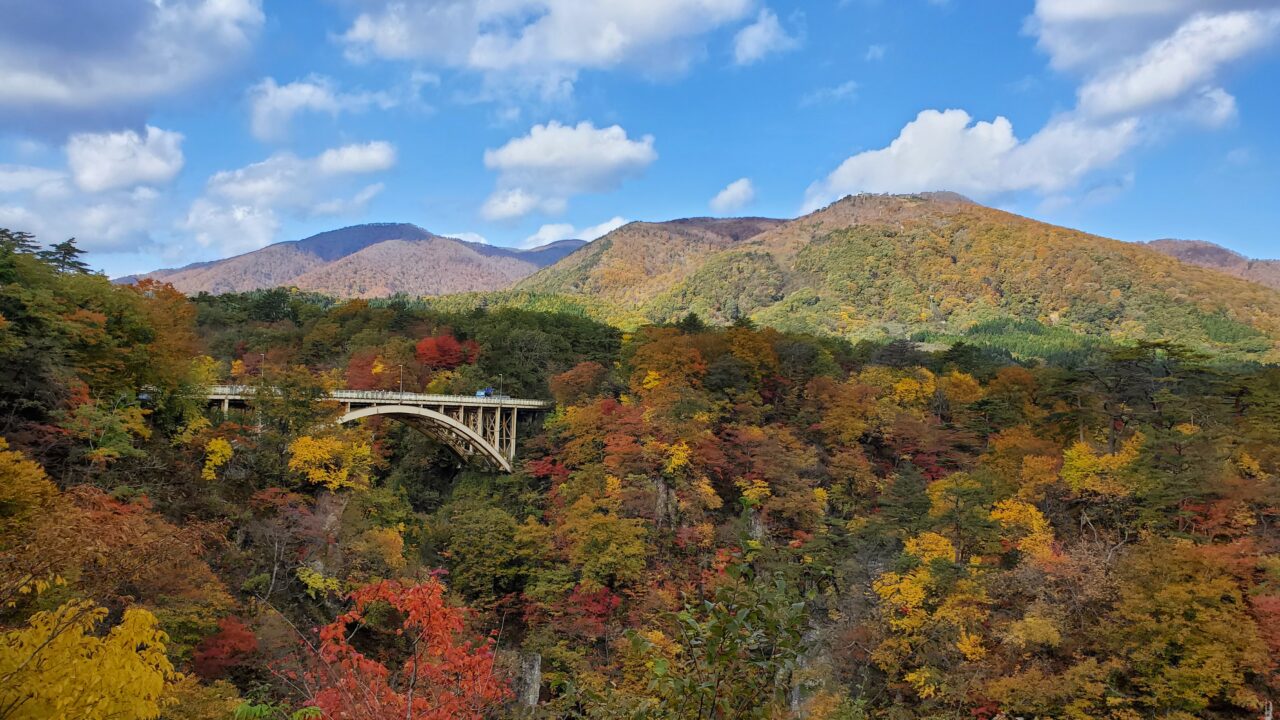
x=16, y=241
x=46, y=667
x=336, y=461
x=445, y=352
x=730, y=656
x=65, y=257
x=432, y=670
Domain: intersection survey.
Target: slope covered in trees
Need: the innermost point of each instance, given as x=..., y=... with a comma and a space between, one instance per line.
x=715, y=522
x=933, y=266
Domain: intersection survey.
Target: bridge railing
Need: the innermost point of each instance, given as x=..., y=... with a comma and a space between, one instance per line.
x=245, y=392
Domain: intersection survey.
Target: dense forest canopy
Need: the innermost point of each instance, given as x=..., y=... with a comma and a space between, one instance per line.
x=716, y=521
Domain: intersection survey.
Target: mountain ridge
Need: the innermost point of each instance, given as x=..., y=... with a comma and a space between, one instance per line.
x=1216, y=257
x=348, y=262
x=922, y=265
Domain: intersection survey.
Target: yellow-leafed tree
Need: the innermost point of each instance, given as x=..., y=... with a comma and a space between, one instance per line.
x=56, y=667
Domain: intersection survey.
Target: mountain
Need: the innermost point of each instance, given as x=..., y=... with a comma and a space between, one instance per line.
x=1207, y=254
x=367, y=261
x=929, y=265
x=640, y=259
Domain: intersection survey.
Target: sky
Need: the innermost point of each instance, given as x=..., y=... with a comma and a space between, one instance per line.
x=164, y=132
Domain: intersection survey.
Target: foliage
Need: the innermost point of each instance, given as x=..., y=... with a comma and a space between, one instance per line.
x=44, y=666
x=438, y=674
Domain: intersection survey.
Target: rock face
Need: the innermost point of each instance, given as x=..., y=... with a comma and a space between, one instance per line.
x=373, y=260
x=1207, y=254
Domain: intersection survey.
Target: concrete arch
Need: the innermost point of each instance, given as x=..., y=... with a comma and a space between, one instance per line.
x=463, y=440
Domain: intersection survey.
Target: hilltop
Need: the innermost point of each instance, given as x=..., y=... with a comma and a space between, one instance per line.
x=370, y=260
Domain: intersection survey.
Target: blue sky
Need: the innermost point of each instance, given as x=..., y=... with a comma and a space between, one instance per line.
x=164, y=133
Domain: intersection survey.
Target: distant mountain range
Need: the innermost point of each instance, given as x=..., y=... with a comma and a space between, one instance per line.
x=373, y=260
x=1207, y=254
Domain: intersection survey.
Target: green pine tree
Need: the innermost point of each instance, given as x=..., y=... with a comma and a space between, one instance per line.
x=65, y=257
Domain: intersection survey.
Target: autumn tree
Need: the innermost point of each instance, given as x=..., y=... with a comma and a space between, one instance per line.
x=46, y=666
x=429, y=669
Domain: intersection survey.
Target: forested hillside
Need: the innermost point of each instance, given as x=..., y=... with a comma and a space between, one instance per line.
x=715, y=522
x=929, y=266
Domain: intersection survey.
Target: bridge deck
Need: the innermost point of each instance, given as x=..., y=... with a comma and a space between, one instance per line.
x=382, y=397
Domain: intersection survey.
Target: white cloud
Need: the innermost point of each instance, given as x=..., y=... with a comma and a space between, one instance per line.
x=948, y=151
x=20, y=178
x=1178, y=64
x=831, y=94
x=1089, y=35
x=105, y=161
x=102, y=223
x=230, y=228
x=517, y=202
x=874, y=52
x=604, y=228
x=762, y=38
x=541, y=44
x=469, y=237
x=549, y=233
x=349, y=206
x=735, y=195
x=273, y=106
x=552, y=232
x=369, y=157
x=542, y=170
x=239, y=209
x=93, y=55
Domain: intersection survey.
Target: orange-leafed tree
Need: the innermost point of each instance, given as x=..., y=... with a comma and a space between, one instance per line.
x=402, y=652
x=445, y=352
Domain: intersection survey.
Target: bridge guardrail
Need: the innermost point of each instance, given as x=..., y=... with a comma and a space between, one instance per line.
x=243, y=392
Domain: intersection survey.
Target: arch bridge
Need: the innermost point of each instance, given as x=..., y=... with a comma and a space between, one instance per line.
x=478, y=429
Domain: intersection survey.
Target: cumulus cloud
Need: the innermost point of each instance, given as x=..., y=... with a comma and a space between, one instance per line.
x=543, y=44
x=92, y=59
x=762, y=38
x=239, y=208
x=552, y=232
x=102, y=198
x=105, y=161
x=542, y=170
x=109, y=222
x=949, y=151
x=735, y=195
x=369, y=157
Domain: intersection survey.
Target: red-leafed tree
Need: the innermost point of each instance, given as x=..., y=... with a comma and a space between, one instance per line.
x=445, y=352
x=430, y=669
x=365, y=371
x=578, y=383
x=232, y=645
